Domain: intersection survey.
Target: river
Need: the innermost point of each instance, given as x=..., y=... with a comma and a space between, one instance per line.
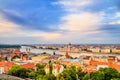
x=38, y=51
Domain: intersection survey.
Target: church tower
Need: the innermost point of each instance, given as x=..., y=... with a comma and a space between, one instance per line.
x=67, y=54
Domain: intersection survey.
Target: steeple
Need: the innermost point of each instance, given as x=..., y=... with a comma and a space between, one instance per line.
x=67, y=55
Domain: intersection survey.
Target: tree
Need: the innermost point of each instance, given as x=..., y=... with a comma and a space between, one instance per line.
x=80, y=73
x=98, y=75
x=68, y=74
x=86, y=77
x=32, y=75
x=18, y=71
x=14, y=70
x=103, y=74
x=110, y=73
x=6, y=79
x=40, y=66
x=40, y=69
x=49, y=77
x=115, y=79
x=40, y=77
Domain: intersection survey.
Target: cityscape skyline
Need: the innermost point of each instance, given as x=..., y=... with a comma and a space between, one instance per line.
x=59, y=22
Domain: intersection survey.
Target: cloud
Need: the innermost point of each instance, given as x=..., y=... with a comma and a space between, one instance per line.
x=76, y=5
x=117, y=15
x=16, y=17
x=117, y=22
x=6, y=25
x=77, y=20
x=45, y=35
x=81, y=22
x=11, y=29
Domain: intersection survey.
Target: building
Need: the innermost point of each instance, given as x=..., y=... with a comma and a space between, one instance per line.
x=5, y=66
x=86, y=60
x=57, y=68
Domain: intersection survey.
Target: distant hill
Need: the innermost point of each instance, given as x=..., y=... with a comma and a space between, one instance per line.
x=9, y=46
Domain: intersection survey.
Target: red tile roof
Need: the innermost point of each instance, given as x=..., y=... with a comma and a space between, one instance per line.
x=28, y=66
x=92, y=62
x=2, y=63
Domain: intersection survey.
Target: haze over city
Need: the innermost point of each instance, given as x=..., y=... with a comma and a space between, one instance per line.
x=59, y=21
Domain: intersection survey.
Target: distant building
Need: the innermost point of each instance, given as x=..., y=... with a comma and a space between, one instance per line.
x=86, y=60
x=102, y=66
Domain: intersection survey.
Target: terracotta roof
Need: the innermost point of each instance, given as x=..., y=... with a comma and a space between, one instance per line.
x=10, y=64
x=56, y=66
x=17, y=51
x=93, y=62
x=2, y=63
x=28, y=66
x=90, y=68
x=116, y=66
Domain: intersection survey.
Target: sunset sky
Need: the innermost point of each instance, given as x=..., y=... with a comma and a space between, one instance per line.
x=59, y=21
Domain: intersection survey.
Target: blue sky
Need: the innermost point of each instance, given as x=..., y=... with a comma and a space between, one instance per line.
x=59, y=21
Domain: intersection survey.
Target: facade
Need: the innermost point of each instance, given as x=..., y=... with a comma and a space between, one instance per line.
x=57, y=68
x=5, y=66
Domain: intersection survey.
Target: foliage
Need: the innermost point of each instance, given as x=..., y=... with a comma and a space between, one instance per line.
x=71, y=73
x=18, y=71
x=46, y=77
x=6, y=79
x=40, y=69
x=68, y=74
x=103, y=74
x=32, y=75
x=40, y=77
x=80, y=73
x=50, y=77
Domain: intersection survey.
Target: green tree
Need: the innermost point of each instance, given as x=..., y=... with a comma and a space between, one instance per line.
x=32, y=75
x=86, y=77
x=49, y=77
x=98, y=75
x=40, y=77
x=110, y=73
x=14, y=70
x=18, y=71
x=68, y=74
x=40, y=69
x=115, y=79
x=80, y=73
x=103, y=74
x=6, y=79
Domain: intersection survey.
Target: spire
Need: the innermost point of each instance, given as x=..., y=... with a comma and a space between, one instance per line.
x=67, y=55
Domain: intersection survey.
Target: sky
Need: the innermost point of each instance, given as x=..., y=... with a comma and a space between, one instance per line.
x=59, y=21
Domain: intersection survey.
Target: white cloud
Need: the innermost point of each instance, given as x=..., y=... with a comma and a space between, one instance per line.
x=77, y=22
x=45, y=35
x=10, y=29
x=115, y=22
x=81, y=22
x=73, y=5
x=116, y=18
x=117, y=15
